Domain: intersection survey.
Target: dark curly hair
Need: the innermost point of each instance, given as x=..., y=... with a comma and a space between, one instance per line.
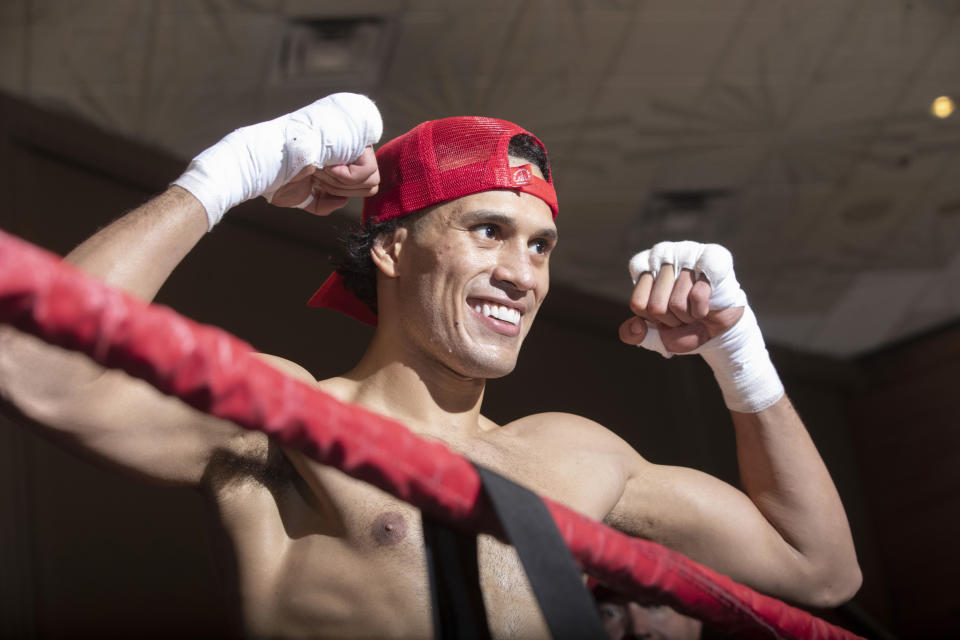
x=356, y=267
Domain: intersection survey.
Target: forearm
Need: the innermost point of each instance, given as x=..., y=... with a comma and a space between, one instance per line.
x=138, y=252
x=789, y=533
x=783, y=474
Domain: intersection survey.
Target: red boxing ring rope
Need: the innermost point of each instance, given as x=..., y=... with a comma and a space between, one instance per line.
x=217, y=374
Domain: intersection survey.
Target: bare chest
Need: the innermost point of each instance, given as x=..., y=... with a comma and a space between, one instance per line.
x=361, y=565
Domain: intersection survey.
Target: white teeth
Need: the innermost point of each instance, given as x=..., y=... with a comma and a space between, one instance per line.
x=499, y=312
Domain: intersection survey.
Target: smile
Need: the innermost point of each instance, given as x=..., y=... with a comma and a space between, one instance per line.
x=497, y=317
x=499, y=312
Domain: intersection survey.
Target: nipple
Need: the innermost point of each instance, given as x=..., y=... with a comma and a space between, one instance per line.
x=389, y=528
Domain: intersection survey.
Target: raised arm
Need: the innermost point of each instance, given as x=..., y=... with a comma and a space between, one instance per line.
x=280, y=159
x=122, y=420
x=787, y=532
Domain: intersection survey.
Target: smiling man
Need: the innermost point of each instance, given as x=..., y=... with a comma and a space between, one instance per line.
x=452, y=217
x=452, y=266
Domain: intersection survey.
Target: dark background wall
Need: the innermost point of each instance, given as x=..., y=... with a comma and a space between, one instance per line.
x=906, y=426
x=86, y=551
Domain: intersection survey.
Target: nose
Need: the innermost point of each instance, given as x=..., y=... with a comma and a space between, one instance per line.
x=640, y=622
x=514, y=268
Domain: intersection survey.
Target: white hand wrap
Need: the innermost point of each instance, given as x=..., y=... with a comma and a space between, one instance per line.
x=259, y=159
x=738, y=357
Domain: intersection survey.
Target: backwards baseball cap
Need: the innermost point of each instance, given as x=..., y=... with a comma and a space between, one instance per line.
x=435, y=162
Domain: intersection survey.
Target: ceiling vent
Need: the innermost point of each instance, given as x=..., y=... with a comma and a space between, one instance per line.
x=347, y=51
x=681, y=210
x=702, y=215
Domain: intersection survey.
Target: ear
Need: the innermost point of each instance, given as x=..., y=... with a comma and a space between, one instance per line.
x=386, y=249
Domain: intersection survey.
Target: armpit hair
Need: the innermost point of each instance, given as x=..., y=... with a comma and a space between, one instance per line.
x=261, y=460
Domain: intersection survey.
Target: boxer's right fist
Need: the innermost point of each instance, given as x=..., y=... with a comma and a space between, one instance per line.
x=261, y=159
x=322, y=191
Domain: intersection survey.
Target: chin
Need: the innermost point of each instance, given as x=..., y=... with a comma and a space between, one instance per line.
x=499, y=373
x=471, y=366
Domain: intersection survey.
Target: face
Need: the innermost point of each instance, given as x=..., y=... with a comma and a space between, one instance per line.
x=623, y=622
x=472, y=274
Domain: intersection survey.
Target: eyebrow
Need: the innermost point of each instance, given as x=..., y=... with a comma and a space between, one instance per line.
x=490, y=215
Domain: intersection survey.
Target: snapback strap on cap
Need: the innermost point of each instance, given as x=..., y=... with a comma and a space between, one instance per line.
x=524, y=180
x=333, y=295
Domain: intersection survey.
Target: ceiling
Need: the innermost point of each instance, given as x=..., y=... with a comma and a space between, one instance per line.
x=798, y=134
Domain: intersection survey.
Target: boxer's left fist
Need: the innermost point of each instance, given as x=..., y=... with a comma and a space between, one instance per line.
x=686, y=292
x=687, y=299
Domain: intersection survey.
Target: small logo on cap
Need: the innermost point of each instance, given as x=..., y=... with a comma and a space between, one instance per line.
x=521, y=175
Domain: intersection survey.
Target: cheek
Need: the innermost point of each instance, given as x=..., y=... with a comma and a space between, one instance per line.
x=432, y=276
x=543, y=284
x=423, y=259
x=443, y=269
x=447, y=257
x=420, y=267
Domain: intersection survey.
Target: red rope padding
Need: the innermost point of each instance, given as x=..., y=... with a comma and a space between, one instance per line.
x=216, y=373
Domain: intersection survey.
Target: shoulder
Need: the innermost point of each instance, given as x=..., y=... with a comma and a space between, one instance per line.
x=584, y=464
x=569, y=430
x=251, y=456
x=559, y=422
x=340, y=387
x=288, y=367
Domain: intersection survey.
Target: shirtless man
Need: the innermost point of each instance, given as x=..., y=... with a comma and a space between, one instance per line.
x=322, y=555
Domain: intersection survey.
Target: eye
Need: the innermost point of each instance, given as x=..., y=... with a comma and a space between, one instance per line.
x=487, y=231
x=539, y=246
x=609, y=611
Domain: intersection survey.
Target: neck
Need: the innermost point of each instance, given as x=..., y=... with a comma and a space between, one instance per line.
x=424, y=394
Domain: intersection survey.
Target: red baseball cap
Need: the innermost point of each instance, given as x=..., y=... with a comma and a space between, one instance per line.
x=434, y=162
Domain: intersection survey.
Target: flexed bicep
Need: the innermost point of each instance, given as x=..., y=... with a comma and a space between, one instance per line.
x=713, y=523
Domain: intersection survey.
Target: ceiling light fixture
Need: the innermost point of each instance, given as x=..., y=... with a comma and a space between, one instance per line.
x=943, y=107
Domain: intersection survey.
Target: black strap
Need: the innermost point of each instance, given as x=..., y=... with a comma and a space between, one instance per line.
x=457, y=602
x=557, y=582
x=454, y=576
